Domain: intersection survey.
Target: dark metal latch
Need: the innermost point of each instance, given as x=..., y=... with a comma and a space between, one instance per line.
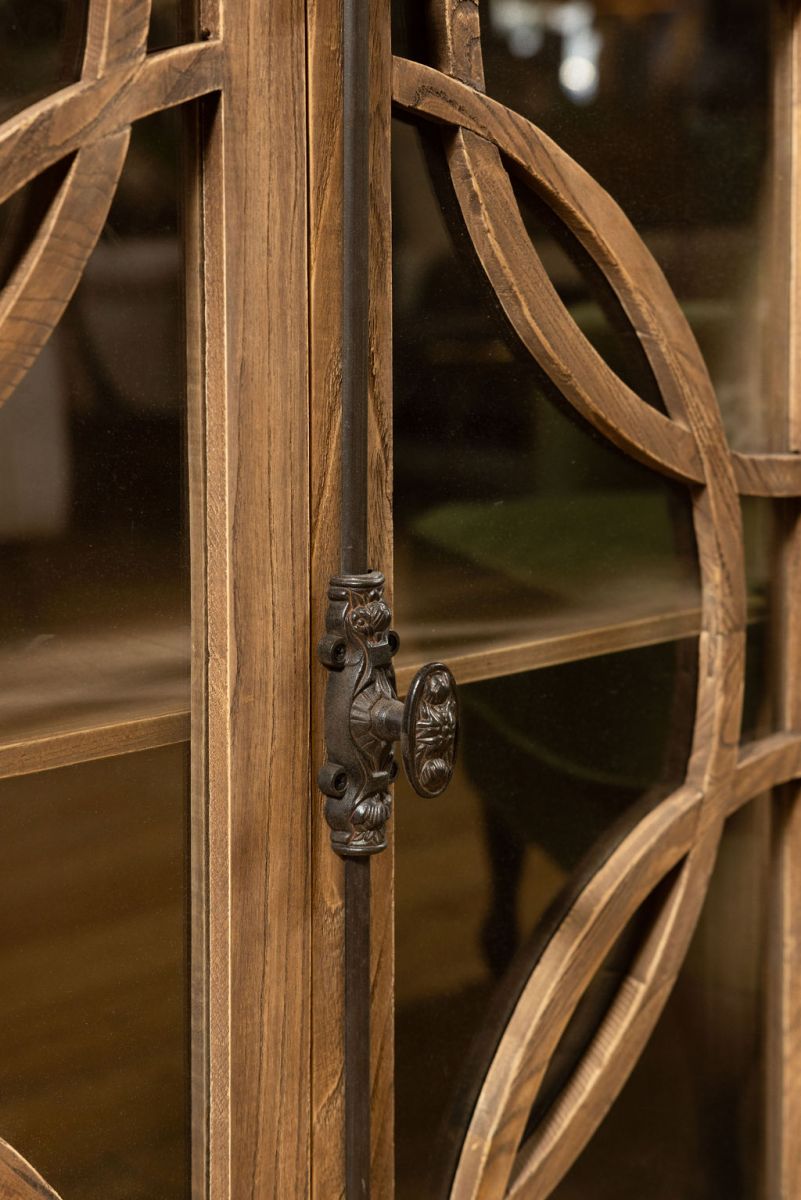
x=364, y=717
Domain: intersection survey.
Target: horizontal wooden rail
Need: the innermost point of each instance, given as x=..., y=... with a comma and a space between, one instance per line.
x=551, y=649
x=43, y=752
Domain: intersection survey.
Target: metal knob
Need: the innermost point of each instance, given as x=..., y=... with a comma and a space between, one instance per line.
x=426, y=725
x=364, y=718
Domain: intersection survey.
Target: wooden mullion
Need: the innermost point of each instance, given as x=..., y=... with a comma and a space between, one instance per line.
x=324, y=40
x=783, y=1140
x=253, y=214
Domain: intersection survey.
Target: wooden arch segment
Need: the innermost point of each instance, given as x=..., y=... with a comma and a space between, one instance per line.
x=531, y=302
x=19, y=1180
x=681, y=834
x=91, y=120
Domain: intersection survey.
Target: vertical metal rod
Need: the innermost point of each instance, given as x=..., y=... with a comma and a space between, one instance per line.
x=357, y=1028
x=355, y=384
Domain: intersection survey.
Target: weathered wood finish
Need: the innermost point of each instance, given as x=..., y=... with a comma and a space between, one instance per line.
x=118, y=85
x=682, y=832
x=19, y=1180
x=783, y=1015
x=90, y=742
x=254, y=215
x=249, y=478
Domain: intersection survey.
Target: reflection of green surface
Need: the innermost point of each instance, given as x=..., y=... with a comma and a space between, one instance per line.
x=557, y=538
x=548, y=540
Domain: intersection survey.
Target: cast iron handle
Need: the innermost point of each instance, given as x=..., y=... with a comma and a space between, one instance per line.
x=364, y=717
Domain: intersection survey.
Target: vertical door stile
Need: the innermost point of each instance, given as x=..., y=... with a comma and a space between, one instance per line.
x=783, y=1013
x=254, y=359
x=324, y=40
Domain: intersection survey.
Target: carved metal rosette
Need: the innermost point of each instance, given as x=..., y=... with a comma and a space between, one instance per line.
x=364, y=717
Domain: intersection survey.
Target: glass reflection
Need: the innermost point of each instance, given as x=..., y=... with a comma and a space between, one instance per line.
x=514, y=521
x=550, y=761
x=94, y=1003
x=165, y=24
x=646, y=96
x=41, y=44
x=760, y=532
x=94, y=613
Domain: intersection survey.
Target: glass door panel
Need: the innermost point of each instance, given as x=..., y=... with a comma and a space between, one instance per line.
x=96, y=925
x=94, y=962
x=94, y=615
x=560, y=580
x=554, y=763
x=688, y=1123
x=522, y=537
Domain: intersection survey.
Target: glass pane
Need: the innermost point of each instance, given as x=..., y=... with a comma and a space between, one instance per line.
x=760, y=530
x=646, y=97
x=94, y=614
x=94, y=1001
x=549, y=761
x=41, y=42
x=165, y=24
x=514, y=521
x=688, y=1123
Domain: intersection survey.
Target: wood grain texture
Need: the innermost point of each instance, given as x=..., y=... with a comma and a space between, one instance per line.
x=767, y=474
x=19, y=1180
x=568, y=644
x=91, y=109
x=118, y=84
x=689, y=443
x=91, y=119
x=41, y=287
x=783, y=1009
x=519, y=280
x=325, y=282
x=94, y=741
x=766, y=764
x=258, y=635
x=325, y=309
x=43, y=283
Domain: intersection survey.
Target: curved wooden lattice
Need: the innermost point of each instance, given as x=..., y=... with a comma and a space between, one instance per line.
x=90, y=122
x=681, y=834
x=19, y=1180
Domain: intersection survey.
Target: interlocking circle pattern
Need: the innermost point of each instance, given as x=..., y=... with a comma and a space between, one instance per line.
x=681, y=834
x=90, y=121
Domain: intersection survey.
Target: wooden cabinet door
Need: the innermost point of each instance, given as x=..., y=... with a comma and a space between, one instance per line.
x=592, y=423
x=155, y=927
